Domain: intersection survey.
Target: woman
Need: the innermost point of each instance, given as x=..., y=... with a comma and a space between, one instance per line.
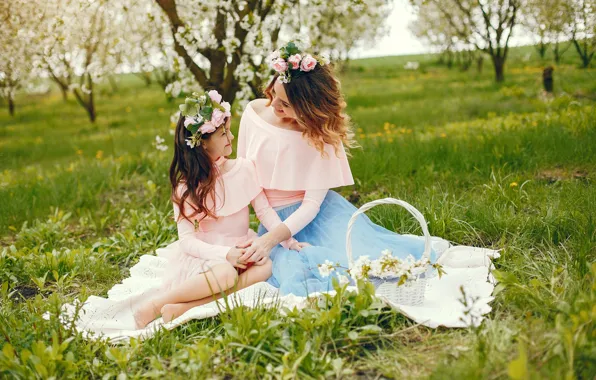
x=296, y=139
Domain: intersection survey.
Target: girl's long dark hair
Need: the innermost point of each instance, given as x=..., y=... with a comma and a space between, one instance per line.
x=194, y=168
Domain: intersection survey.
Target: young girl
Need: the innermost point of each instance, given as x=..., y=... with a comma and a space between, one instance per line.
x=211, y=194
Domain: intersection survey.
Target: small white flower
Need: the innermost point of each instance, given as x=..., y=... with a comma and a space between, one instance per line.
x=273, y=56
x=193, y=140
x=343, y=280
x=324, y=59
x=174, y=118
x=326, y=268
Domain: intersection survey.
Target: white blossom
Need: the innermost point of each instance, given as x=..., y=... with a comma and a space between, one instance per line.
x=326, y=268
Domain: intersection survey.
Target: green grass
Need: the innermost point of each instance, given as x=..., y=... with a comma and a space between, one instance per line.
x=489, y=165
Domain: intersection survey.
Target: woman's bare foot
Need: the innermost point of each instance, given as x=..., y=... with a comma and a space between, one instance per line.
x=172, y=311
x=145, y=314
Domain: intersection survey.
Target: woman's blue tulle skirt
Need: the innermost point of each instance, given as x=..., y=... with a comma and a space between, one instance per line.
x=297, y=272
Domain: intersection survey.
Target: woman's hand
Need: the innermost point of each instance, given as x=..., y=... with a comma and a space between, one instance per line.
x=234, y=255
x=297, y=246
x=259, y=250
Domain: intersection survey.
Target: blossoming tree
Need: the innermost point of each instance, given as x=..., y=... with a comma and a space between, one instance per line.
x=16, y=47
x=223, y=43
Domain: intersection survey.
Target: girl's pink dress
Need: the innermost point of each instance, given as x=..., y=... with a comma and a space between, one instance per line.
x=207, y=245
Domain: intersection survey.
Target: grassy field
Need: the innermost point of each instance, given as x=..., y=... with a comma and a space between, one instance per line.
x=491, y=165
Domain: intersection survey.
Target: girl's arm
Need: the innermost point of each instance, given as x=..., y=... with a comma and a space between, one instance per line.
x=194, y=246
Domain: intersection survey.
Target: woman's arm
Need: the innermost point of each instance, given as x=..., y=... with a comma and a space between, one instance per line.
x=307, y=211
x=278, y=232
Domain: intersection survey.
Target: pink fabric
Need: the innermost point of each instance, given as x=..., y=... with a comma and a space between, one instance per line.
x=285, y=160
x=235, y=188
x=307, y=211
x=208, y=244
x=269, y=217
x=282, y=198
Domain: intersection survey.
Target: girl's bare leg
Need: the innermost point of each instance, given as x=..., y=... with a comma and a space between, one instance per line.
x=252, y=275
x=214, y=281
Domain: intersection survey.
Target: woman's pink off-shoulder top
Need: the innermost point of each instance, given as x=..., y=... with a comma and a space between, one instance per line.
x=289, y=169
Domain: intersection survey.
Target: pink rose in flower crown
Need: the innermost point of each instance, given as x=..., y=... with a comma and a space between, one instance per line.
x=295, y=61
x=217, y=117
x=280, y=65
x=207, y=128
x=215, y=96
x=227, y=107
x=308, y=63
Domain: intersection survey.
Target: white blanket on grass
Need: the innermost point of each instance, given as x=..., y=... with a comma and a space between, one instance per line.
x=467, y=268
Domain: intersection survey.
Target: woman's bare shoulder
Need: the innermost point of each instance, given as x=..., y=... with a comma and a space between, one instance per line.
x=259, y=105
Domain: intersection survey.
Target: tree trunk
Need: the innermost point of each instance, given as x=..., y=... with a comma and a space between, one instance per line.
x=64, y=93
x=10, y=105
x=449, y=59
x=499, y=64
x=556, y=52
x=146, y=77
x=542, y=47
x=583, y=53
x=547, y=79
x=91, y=105
x=479, y=63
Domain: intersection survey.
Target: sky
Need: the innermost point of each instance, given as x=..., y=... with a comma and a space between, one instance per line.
x=400, y=41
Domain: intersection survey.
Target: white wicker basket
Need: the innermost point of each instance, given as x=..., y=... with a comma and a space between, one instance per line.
x=412, y=291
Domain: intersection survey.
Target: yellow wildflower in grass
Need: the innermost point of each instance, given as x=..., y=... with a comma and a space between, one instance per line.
x=408, y=130
x=390, y=139
x=38, y=140
x=360, y=130
x=513, y=184
x=99, y=154
x=160, y=110
x=443, y=135
x=128, y=109
x=362, y=136
x=12, y=228
x=79, y=152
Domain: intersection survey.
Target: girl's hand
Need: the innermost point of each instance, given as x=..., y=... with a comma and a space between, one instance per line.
x=297, y=246
x=259, y=249
x=234, y=255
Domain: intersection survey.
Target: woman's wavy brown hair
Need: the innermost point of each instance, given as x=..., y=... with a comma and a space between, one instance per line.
x=194, y=168
x=316, y=98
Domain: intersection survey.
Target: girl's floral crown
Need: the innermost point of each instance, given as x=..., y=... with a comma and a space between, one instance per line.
x=289, y=62
x=203, y=114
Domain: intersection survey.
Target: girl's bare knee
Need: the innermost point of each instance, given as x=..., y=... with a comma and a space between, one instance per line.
x=231, y=274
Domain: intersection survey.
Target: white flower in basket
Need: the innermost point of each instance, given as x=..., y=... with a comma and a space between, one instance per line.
x=401, y=281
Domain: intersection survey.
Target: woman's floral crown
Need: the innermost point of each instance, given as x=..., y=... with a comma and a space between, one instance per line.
x=289, y=62
x=203, y=113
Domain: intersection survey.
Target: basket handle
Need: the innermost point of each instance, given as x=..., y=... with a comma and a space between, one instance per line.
x=367, y=206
